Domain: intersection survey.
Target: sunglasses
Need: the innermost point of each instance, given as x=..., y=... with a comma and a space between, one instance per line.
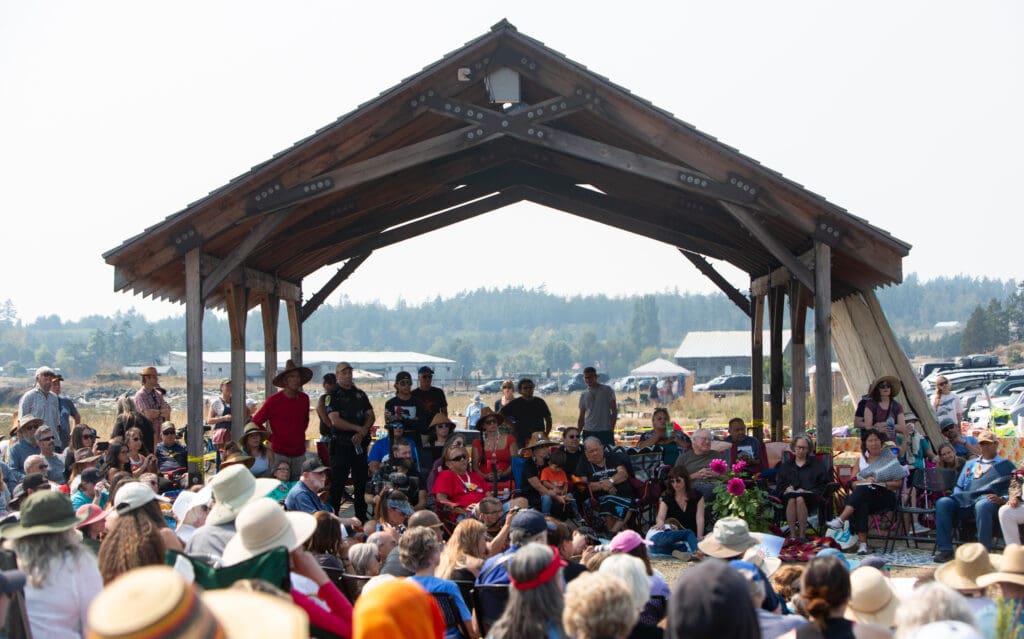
x=443, y=425
x=42, y=466
x=490, y=420
x=89, y=436
x=458, y=458
x=404, y=382
x=885, y=385
x=46, y=439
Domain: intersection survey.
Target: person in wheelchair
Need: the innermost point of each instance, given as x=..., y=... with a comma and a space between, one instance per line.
x=400, y=472
x=800, y=484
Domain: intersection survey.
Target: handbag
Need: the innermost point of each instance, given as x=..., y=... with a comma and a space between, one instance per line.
x=843, y=537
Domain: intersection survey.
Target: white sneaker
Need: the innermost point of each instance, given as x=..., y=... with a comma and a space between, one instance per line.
x=863, y=550
x=835, y=523
x=921, y=529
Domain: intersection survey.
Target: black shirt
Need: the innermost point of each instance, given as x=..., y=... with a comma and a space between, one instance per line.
x=352, y=405
x=594, y=474
x=529, y=470
x=413, y=415
x=527, y=417
x=433, y=401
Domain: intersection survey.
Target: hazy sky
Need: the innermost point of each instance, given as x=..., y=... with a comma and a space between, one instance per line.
x=118, y=114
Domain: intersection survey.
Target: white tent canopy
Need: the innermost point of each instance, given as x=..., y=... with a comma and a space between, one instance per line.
x=659, y=368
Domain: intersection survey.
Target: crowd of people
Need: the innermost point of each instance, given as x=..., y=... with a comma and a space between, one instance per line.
x=104, y=539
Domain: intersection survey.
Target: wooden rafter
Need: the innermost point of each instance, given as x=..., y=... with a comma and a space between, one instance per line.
x=723, y=284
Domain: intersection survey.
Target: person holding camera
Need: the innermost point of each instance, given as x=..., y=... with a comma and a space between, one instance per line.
x=351, y=417
x=401, y=473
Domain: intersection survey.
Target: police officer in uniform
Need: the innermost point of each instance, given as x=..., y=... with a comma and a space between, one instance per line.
x=351, y=417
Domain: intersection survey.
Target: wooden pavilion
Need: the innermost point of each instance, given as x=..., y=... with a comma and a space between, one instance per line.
x=500, y=120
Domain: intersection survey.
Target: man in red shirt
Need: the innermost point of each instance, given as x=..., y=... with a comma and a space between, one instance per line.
x=288, y=414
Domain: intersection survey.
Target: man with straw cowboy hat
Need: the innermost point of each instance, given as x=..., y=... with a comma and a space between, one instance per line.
x=285, y=415
x=149, y=401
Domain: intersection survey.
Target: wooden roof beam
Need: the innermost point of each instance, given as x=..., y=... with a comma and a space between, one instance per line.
x=737, y=298
x=255, y=237
x=771, y=243
x=255, y=280
x=343, y=274
x=420, y=227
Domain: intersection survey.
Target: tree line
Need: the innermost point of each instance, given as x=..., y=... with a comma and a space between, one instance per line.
x=509, y=329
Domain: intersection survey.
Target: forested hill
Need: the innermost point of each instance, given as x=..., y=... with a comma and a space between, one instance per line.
x=516, y=328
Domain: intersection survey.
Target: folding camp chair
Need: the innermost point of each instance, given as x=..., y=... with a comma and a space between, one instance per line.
x=489, y=604
x=352, y=586
x=270, y=566
x=450, y=613
x=930, y=484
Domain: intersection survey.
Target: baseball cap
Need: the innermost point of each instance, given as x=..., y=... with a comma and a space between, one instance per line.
x=627, y=540
x=403, y=375
x=401, y=505
x=946, y=422
x=168, y=427
x=425, y=369
x=313, y=465
x=134, y=495
x=530, y=521
x=225, y=380
x=45, y=370
x=987, y=436
x=33, y=481
x=342, y=366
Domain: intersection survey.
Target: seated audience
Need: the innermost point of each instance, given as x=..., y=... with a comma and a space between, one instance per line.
x=980, y=490
x=139, y=536
x=54, y=463
x=252, y=444
x=305, y=494
x=535, y=600
x=232, y=488
x=190, y=510
x=549, y=497
x=465, y=552
x=929, y=603
x=607, y=474
x=397, y=608
x=420, y=551
x=61, y=575
x=770, y=623
x=875, y=488
x=663, y=434
x=365, y=559
x=747, y=448
x=93, y=527
x=631, y=543
x=527, y=527
x=632, y=573
x=680, y=517
x=948, y=459
x=1011, y=515
x=170, y=454
x=697, y=463
x=326, y=543
x=458, y=487
x=599, y=606
x=964, y=445
x=82, y=436
x=800, y=484
x=493, y=450
x=92, y=489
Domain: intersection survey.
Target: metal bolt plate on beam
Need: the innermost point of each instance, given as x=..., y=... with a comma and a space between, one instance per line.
x=185, y=239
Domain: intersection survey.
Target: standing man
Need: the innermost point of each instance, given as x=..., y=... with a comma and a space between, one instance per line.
x=330, y=382
x=407, y=409
x=68, y=412
x=351, y=416
x=150, y=402
x=285, y=415
x=40, y=400
x=473, y=412
x=528, y=414
x=598, y=410
x=434, y=402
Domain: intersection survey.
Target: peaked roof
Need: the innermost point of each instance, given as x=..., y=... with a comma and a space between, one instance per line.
x=725, y=344
x=433, y=150
x=659, y=366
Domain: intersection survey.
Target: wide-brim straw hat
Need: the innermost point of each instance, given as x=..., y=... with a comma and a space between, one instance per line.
x=234, y=487
x=872, y=597
x=1011, y=568
x=164, y=605
x=263, y=525
x=970, y=562
x=486, y=412
x=236, y=457
x=305, y=374
x=538, y=440
x=46, y=511
x=440, y=418
x=730, y=538
x=249, y=429
x=149, y=370
x=893, y=381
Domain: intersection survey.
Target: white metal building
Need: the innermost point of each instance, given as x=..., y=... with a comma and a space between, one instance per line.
x=387, y=364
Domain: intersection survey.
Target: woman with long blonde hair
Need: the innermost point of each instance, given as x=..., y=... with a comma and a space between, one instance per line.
x=465, y=552
x=945, y=402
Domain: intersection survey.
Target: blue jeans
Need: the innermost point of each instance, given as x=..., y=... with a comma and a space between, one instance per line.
x=668, y=540
x=947, y=513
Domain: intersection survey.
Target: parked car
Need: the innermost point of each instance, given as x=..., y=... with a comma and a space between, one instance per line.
x=629, y=384
x=547, y=389
x=726, y=383
x=964, y=380
x=493, y=386
x=576, y=382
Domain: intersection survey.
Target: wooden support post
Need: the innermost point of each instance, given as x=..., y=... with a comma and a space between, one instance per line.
x=295, y=330
x=776, y=312
x=194, y=309
x=797, y=322
x=237, y=298
x=823, y=346
x=757, y=364
x=270, y=309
